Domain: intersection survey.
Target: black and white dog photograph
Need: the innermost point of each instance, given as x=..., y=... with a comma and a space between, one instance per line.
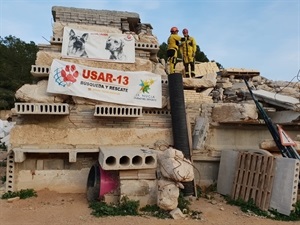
x=99, y=46
x=76, y=46
x=115, y=45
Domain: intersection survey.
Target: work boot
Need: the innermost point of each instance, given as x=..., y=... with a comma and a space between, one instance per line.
x=193, y=75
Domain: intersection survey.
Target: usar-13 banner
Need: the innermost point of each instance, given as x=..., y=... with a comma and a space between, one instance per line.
x=139, y=88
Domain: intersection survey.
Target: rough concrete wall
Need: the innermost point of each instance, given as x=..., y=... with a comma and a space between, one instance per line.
x=81, y=127
x=53, y=171
x=228, y=137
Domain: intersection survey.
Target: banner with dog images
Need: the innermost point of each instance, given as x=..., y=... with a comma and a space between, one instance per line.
x=139, y=88
x=112, y=47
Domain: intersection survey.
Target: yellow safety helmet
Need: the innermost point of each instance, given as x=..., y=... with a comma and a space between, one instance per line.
x=174, y=29
x=185, y=31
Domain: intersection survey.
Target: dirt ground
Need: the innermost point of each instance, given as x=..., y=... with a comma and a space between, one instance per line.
x=63, y=209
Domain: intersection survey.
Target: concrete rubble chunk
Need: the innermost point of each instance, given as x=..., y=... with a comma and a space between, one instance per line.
x=144, y=191
x=37, y=93
x=284, y=101
x=10, y=200
x=168, y=193
x=177, y=214
x=237, y=112
x=208, y=81
x=174, y=166
x=270, y=145
x=286, y=116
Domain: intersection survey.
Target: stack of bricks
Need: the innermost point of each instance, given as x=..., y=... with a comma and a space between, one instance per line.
x=144, y=28
x=125, y=21
x=89, y=16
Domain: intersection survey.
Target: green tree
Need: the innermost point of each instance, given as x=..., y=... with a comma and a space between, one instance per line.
x=200, y=56
x=16, y=58
x=162, y=52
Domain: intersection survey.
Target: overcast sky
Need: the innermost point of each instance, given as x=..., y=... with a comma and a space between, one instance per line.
x=262, y=35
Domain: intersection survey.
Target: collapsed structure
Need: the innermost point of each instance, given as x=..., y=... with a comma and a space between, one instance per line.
x=58, y=138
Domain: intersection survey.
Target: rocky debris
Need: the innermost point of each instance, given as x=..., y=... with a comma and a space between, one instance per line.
x=174, y=169
x=270, y=145
x=10, y=200
x=37, y=93
x=5, y=128
x=174, y=166
x=237, y=112
x=168, y=193
x=177, y=214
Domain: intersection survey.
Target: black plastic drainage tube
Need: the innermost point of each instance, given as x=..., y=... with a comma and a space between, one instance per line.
x=179, y=123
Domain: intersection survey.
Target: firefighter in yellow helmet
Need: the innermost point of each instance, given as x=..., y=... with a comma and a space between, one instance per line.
x=188, y=49
x=173, y=46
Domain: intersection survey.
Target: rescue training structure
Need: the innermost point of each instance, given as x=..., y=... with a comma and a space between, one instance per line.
x=70, y=144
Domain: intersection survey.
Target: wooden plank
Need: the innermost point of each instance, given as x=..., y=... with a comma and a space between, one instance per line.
x=262, y=200
x=261, y=182
x=245, y=178
x=240, y=176
x=269, y=183
x=270, y=187
x=250, y=186
x=256, y=178
x=238, y=162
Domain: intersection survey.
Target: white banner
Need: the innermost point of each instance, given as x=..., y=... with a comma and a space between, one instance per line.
x=98, y=46
x=128, y=88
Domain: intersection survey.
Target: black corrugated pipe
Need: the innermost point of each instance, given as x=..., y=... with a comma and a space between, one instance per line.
x=179, y=123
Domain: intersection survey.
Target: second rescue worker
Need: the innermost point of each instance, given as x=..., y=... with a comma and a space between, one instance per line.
x=173, y=45
x=188, y=49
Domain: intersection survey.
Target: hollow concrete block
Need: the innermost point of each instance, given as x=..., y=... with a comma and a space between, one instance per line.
x=126, y=158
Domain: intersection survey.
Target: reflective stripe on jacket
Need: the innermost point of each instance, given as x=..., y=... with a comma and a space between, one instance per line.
x=188, y=49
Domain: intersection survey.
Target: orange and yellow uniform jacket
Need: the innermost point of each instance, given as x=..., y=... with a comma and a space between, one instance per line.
x=174, y=41
x=188, y=49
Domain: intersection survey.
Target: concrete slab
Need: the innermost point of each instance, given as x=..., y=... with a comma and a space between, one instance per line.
x=285, y=186
x=200, y=132
x=277, y=99
x=227, y=168
x=286, y=116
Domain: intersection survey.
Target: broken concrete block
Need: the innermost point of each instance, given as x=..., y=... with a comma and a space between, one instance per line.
x=174, y=166
x=168, y=193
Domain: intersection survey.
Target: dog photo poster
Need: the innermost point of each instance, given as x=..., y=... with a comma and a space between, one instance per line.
x=138, y=88
x=111, y=47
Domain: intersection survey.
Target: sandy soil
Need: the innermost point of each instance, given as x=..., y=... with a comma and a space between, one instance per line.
x=63, y=209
